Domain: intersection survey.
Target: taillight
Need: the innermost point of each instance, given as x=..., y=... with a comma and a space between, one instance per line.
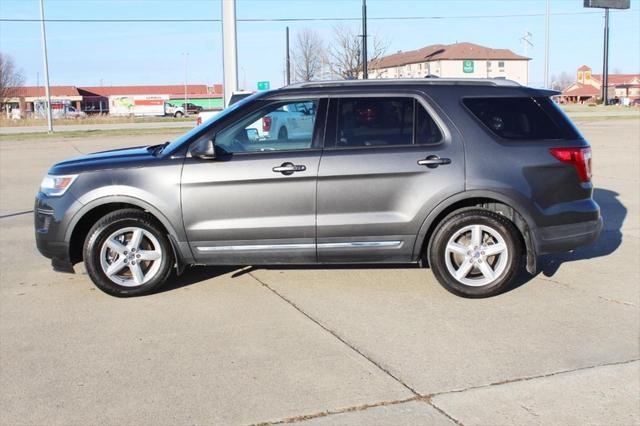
x=266, y=124
x=199, y=121
x=579, y=157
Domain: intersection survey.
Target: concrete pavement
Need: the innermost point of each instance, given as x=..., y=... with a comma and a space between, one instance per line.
x=360, y=345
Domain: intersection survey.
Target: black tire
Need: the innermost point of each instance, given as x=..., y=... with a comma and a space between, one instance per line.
x=105, y=227
x=455, y=223
x=178, y=114
x=283, y=134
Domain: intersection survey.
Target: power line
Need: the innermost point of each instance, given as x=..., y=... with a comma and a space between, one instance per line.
x=386, y=18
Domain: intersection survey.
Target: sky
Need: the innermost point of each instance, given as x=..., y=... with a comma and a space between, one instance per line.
x=122, y=53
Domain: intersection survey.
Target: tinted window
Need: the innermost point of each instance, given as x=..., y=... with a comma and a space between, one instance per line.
x=521, y=118
x=278, y=126
x=427, y=132
x=384, y=122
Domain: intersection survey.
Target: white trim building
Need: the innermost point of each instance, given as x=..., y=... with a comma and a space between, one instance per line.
x=457, y=60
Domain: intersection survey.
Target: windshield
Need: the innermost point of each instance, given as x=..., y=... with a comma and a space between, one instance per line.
x=204, y=126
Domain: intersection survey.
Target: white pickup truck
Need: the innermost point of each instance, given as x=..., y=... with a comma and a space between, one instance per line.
x=289, y=122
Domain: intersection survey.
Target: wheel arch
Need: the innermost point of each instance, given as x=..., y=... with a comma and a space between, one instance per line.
x=84, y=219
x=488, y=200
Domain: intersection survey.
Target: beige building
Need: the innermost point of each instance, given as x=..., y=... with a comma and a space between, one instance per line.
x=459, y=60
x=622, y=88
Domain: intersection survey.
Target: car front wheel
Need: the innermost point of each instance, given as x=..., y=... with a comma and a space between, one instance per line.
x=475, y=253
x=127, y=254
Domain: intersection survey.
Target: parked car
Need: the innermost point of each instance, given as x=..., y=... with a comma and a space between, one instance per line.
x=72, y=112
x=172, y=110
x=472, y=178
x=191, y=108
x=290, y=121
x=204, y=116
x=239, y=95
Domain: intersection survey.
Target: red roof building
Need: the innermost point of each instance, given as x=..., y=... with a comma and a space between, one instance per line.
x=456, y=60
x=96, y=98
x=588, y=87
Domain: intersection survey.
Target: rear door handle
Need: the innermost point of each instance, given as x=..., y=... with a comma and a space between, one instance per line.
x=289, y=168
x=434, y=161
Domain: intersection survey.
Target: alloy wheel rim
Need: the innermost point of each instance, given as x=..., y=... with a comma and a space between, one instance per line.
x=131, y=256
x=476, y=255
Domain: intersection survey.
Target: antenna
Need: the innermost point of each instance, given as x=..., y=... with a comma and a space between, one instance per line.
x=526, y=42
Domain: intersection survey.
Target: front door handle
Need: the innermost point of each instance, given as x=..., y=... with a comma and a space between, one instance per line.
x=434, y=161
x=289, y=168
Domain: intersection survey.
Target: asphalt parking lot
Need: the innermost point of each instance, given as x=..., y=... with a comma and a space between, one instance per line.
x=323, y=346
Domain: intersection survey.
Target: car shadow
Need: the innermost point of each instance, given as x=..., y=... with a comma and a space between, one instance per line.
x=613, y=213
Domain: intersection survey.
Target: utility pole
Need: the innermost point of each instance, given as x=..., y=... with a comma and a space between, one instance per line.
x=365, y=71
x=606, y=5
x=288, y=62
x=605, y=60
x=46, y=68
x=546, y=44
x=229, y=49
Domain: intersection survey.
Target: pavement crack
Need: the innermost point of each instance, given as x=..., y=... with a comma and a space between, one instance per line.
x=621, y=302
x=76, y=149
x=540, y=376
x=4, y=216
x=429, y=400
x=337, y=336
x=326, y=413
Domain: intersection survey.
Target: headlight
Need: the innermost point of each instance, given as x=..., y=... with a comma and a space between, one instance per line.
x=55, y=186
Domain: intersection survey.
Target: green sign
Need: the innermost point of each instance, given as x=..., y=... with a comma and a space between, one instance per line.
x=467, y=66
x=264, y=85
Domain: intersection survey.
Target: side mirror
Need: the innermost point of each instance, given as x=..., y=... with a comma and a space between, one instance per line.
x=252, y=134
x=204, y=149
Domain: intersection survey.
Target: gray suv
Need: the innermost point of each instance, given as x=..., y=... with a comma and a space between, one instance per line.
x=474, y=178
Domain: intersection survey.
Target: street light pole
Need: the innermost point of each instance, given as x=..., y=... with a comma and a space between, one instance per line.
x=288, y=61
x=46, y=68
x=605, y=61
x=229, y=49
x=546, y=45
x=365, y=71
x=185, y=108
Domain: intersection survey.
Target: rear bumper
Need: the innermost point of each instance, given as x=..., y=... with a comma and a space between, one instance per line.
x=562, y=238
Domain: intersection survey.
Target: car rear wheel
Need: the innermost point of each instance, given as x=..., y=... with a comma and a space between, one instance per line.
x=126, y=253
x=178, y=114
x=475, y=253
x=283, y=134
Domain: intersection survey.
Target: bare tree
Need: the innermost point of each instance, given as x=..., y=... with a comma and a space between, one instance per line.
x=562, y=81
x=308, y=55
x=345, y=53
x=10, y=76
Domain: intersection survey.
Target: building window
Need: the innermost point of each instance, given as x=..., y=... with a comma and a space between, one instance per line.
x=489, y=65
x=501, y=65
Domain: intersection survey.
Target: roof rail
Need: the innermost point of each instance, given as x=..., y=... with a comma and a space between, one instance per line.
x=399, y=81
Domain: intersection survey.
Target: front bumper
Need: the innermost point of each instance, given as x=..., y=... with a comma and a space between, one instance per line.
x=562, y=238
x=51, y=218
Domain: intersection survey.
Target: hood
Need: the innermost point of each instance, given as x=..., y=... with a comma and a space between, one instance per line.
x=117, y=158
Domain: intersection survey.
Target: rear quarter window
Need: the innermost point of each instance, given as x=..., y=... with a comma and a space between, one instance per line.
x=522, y=118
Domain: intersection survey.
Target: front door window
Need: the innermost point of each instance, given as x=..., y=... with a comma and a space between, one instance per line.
x=279, y=126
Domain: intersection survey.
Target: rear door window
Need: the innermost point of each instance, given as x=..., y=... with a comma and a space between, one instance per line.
x=383, y=121
x=523, y=118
